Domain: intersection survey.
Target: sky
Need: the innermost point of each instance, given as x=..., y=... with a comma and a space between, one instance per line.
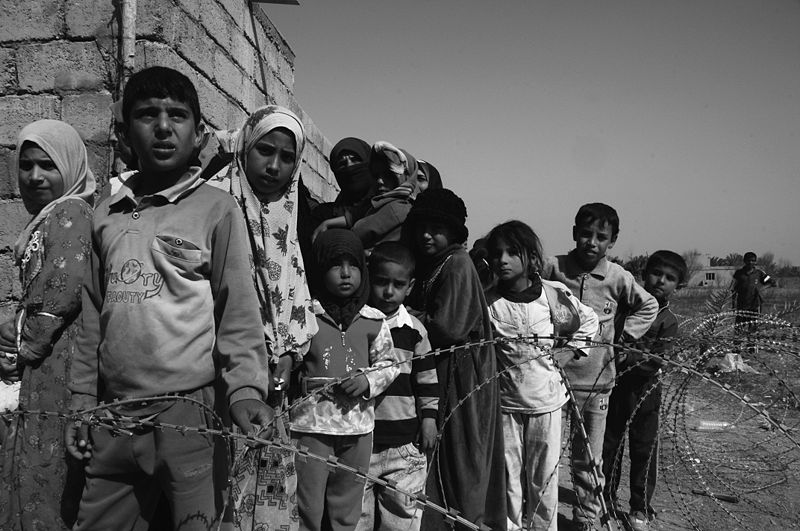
x=682, y=115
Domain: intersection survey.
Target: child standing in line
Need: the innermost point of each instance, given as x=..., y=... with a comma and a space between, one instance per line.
x=637, y=394
x=608, y=289
x=167, y=307
x=339, y=421
x=531, y=388
x=405, y=415
x=467, y=468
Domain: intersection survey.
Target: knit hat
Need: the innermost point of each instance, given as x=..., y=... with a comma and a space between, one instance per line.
x=329, y=247
x=439, y=205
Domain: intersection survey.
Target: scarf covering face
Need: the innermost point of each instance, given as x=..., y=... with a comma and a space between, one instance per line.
x=64, y=146
x=328, y=249
x=278, y=269
x=386, y=157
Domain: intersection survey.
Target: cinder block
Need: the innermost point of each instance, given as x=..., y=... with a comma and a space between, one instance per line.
x=216, y=22
x=285, y=72
x=10, y=287
x=8, y=177
x=194, y=45
x=213, y=104
x=30, y=19
x=228, y=76
x=236, y=116
x=158, y=20
x=61, y=65
x=14, y=217
x=158, y=54
x=238, y=10
x=18, y=111
x=88, y=18
x=8, y=71
x=244, y=54
x=89, y=113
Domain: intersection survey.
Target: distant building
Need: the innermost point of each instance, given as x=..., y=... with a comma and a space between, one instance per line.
x=711, y=276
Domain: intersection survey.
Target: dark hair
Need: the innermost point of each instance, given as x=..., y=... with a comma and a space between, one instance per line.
x=668, y=259
x=394, y=252
x=749, y=254
x=591, y=212
x=521, y=239
x=438, y=205
x=160, y=82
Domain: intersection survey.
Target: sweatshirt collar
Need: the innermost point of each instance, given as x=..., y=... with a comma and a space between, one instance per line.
x=187, y=182
x=574, y=269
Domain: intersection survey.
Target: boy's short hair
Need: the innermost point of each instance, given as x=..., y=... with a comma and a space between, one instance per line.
x=591, y=212
x=668, y=259
x=394, y=252
x=748, y=255
x=160, y=82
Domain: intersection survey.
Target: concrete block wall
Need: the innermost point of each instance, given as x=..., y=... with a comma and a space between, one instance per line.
x=61, y=59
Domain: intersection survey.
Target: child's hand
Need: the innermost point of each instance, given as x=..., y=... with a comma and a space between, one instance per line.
x=428, y=434
x=355, y=386
x=252, y=415
x=77, y=441
x=8, y=337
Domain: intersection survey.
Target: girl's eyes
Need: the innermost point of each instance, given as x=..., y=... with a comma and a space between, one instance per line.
x=28, y=165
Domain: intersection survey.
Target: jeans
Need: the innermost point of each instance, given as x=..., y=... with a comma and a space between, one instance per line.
x=385, y=509
x=127, y=475
x=594, y=409
x=532, y=449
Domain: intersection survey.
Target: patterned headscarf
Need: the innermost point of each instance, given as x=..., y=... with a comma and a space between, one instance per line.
x=278, y=269
x=386, y=157
x=64, y=146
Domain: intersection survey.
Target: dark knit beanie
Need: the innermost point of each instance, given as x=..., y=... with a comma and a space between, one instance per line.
x=439, y=205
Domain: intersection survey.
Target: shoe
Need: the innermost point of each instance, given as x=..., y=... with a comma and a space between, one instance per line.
x=638, y=521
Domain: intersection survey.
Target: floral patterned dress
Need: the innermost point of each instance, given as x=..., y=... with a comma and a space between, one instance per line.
x=40, y=485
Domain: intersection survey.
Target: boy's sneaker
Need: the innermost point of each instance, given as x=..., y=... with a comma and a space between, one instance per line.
x=639, y=521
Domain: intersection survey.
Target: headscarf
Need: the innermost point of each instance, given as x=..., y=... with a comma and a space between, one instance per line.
x=278, y=269
x=328, y=248
x=358, y=171
x=434, y=177
x=64, y=146
x=386, y=157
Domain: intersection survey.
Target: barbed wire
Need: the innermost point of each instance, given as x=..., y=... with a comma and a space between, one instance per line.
x=688, y=379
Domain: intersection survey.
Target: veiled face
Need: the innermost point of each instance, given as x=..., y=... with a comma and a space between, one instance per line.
x=40, y=182
x=269, y=165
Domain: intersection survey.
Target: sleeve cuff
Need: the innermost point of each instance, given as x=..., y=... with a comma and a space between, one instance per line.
x=245, y=393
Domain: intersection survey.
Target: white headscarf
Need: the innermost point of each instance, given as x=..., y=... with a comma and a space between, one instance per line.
x=64, y=146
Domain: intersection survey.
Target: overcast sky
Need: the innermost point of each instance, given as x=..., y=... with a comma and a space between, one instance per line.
x=683, y=115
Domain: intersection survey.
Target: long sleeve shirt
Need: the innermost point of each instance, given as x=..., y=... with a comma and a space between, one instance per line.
x=169, y=301
x=414, y=394
x=608, y=289
x=365, y=345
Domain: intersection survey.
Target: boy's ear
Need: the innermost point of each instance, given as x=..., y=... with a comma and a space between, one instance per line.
x=613, y=241
x=411, y=284
x=200, y=137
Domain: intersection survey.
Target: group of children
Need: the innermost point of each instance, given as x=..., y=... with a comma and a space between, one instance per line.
x=403, y=363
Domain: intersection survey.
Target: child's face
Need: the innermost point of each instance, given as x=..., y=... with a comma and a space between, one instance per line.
x=164, y=134
x=269, y=165
x=422, y=181
x=592, y=241
x=390, y=284
x=40, y=182
x=511, y=268
x=433, y=237
x=660, y=281
x=387, y=181
x=343, y=278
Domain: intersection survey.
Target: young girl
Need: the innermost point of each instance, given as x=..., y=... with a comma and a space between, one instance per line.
x=467, y=472
x=339, y=420
x=52, y=252
x=532, y=392
x=263, y=178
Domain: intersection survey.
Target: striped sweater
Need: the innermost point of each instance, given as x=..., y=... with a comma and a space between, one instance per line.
x=414, y=394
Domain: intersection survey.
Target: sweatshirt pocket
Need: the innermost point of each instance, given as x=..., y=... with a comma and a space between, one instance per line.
x=172, y=254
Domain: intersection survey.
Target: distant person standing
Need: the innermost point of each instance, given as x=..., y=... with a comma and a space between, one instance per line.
x=747, y=299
